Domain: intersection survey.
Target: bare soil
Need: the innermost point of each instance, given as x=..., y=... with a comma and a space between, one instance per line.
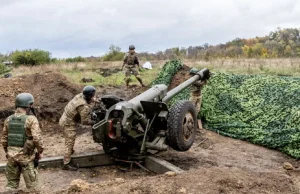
x=214, y=164
x=180, y=76
x=52, y=92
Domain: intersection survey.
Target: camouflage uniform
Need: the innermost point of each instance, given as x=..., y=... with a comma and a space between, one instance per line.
x=20, y=159
x=131, y=62
x=76, y=110
x=195, y=95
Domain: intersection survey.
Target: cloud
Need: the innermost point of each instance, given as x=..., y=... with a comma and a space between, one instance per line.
x=73, y=27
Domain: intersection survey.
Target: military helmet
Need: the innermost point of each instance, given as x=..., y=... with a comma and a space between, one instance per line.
x=131, y=47
x=89, y=92
x=193, y=71
x=24, y=100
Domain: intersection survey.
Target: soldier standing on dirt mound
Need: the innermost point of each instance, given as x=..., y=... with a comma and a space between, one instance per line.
x=76, y=110
x=195, y=95
x=20, y=136
x=130, y=62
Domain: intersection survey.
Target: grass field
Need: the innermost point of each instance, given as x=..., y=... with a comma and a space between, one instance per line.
x=76, y=71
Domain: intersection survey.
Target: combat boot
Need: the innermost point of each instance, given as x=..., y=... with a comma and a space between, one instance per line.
x=141, y=82
x=127, y=84
x=69, y=167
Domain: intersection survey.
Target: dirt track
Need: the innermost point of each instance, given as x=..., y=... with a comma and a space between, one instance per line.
x=217, y=165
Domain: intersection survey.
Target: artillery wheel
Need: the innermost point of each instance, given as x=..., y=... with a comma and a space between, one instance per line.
x=182, y=125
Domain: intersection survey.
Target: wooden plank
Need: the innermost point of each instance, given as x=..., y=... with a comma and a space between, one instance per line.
x=93, y=159
x=83, y=160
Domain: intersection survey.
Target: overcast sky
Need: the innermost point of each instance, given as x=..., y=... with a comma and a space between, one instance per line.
x=69, y=28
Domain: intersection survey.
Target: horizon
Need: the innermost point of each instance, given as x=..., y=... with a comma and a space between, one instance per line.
x=68, y=28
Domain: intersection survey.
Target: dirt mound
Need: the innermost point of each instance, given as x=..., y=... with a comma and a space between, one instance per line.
x=180, y=77
x=51, y=92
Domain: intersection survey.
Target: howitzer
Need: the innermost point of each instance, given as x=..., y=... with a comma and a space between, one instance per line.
x=145, y=122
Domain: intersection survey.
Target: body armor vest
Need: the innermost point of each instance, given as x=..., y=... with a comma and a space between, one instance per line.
x=131, y=59
x=16, y=131
x=71, y=108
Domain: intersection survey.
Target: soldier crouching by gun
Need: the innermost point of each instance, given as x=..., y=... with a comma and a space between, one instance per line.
x=76, y=110
x=20, y=136
x=195, y=95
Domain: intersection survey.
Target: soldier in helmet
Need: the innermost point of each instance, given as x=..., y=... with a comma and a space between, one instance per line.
x=195, y=95
x=77, y=110
x=130, y=62
x=21, y=136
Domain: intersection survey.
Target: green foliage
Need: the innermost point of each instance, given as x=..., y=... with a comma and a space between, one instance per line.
x=54, y=60
x=117, y=78
x=3, y=69
x=261, y=109
x=169, y=70
x=30, y=57
x=75, y=59
x=114, y=54
x=3, y=57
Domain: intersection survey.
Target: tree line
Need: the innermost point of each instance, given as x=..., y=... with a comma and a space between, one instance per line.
x=279, y=43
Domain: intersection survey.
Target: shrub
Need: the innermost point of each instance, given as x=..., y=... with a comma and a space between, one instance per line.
x=114, y=54
x=3, y=69
x=75, y=59
x=30, y=57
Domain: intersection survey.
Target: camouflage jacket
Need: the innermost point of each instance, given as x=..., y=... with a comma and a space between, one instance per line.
x=197, y=87
x=131, y=59
x=77, y=110
x=32, y=128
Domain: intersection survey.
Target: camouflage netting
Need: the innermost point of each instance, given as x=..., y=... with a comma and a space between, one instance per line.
x=264, y=110
x=170, y=68
x=168, y=71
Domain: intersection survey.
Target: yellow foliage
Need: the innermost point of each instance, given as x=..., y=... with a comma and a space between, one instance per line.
x=264, y=53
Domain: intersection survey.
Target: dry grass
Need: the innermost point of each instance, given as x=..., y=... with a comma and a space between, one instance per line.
x=76, y=71
x=289, y=66
x=63, y=67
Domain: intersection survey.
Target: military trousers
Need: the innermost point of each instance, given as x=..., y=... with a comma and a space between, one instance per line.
x=196, y=99
x=131, y=70
x=70, y=136
x=14, y=170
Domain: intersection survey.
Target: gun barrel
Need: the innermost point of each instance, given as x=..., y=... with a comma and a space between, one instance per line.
x=154, y=94
x=200, y=75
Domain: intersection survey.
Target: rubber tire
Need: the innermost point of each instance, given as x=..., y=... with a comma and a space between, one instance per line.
x=175, y=137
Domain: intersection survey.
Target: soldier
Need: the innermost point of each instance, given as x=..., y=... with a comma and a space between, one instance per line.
x=130, y=62
x=20, y=136
x=76, y=110
x=195, y=95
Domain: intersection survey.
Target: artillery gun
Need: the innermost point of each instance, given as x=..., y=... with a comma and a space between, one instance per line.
x=146, y=123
